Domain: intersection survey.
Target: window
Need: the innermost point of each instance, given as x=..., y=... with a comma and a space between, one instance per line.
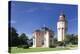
x=51, y=36
x=33, y=37
x=42, y=42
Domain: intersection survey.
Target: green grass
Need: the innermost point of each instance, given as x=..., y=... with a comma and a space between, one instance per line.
x=21, y=50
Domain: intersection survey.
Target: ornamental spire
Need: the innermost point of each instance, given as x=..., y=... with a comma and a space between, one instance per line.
x=62, y=16
x=62, y=13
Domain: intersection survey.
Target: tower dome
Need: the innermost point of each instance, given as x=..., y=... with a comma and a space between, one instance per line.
x=62, y=17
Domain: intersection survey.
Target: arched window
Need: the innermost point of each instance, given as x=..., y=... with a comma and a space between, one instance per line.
x=42, y=42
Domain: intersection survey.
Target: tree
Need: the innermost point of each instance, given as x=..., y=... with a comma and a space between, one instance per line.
x=23, y=39
x=30, y=41
x=71, y=38
x=55, y=40
x=76, y=39
x=13, y=37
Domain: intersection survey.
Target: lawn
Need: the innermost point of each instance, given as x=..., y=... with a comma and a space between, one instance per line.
x=21, y=50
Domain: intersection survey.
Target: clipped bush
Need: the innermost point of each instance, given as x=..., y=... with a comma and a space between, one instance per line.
x=25, y=46
x=60, y=43
x=53, y=46
x=19, y=46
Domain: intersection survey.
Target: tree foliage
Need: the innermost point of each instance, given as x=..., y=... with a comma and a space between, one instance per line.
x=23, y=39
x=30, y=42
x=13, y=37
x=71, y=38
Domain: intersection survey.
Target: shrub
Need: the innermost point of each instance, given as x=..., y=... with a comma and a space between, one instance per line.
x=19, y=46
x=60, y=43
x=25, y=46
x=53, y=46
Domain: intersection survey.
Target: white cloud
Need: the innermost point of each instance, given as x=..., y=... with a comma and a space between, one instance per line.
x=41, y=7
x=31, y=10
x=13, y=21
x=73, y=20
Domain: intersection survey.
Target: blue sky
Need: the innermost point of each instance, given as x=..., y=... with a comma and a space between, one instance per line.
x=29, y=16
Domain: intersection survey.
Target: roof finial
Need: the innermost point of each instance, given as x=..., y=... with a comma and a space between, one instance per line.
x=62, y=13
